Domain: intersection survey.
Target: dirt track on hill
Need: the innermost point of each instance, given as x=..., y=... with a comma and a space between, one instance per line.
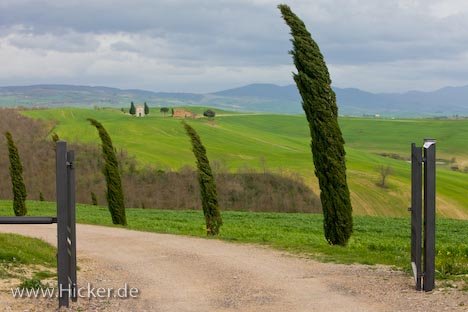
x=178, y=273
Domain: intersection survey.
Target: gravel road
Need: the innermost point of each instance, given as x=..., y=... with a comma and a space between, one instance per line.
x=179, y=273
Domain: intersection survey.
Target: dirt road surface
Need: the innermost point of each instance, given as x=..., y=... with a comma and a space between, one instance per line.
x=178, y=273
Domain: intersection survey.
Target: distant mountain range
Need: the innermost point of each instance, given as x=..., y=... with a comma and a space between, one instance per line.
x=254, y=97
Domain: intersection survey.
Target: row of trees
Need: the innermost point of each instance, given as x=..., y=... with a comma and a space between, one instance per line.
x=111, y=173
x=207, y=113
x=132, y=111
x=115, y=196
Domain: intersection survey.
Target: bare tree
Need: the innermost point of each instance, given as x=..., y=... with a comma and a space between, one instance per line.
x=384, y=172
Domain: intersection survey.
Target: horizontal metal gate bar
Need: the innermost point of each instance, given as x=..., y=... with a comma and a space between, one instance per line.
x=28, y=220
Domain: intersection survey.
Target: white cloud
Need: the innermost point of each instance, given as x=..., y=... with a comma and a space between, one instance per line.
x=447, y=8
x=204, y=45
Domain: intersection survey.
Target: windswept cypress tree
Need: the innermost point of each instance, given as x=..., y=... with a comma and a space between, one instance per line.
x=207, y=184
x=146, y=109
x=115, y=197
x=319, y=103
x=132, y=110
x=16, y=174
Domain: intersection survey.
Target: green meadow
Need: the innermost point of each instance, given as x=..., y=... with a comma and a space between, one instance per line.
x=281, y=143
x=376, y=240
x=19, y=252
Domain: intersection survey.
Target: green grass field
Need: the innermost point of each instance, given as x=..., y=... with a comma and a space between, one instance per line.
x=281, y=143
x=18, y=252
x=376, y=240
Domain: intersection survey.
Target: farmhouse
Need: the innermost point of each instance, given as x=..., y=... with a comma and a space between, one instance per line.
x=182, y=113
x=140, y=111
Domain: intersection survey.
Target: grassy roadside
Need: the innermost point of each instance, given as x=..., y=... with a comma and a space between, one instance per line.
x=26, y=261
x=376, y=240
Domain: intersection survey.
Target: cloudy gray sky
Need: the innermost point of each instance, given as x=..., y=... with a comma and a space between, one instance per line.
x=201, y=46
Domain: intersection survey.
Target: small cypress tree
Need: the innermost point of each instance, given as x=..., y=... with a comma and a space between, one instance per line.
x=55, y=137
x=41, y=197
x=115, y=197
x=146, y=109
x=16, y=174
x=132, y=110
x=319, y=103
x=207, y=184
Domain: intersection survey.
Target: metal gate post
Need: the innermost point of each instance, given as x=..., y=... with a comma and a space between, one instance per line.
x=66, y=227
x=63, y=265
x=416, y=213
x=71, y=226
x=429, y=213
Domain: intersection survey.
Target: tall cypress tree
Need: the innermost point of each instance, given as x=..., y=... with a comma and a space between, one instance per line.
x=146, y=109
x=132, y=110
x=207, y=184
x=16, y=174
x=115, y=197
x=319, y=103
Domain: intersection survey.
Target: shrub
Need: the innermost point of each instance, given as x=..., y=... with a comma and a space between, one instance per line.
x=209, y=113
x=32, y=283
x=164, y=110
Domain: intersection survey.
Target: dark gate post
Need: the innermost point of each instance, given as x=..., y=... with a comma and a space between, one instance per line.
x=427, y=273
x=63, y=264
x=66, y=228
x=416, y=213
x=71, y=224
x=429, y=213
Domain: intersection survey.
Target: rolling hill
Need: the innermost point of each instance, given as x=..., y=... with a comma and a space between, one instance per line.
x=281, y=143
x=254, y=98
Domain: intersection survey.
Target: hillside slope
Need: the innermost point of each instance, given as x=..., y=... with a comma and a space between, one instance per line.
x=281, y=143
